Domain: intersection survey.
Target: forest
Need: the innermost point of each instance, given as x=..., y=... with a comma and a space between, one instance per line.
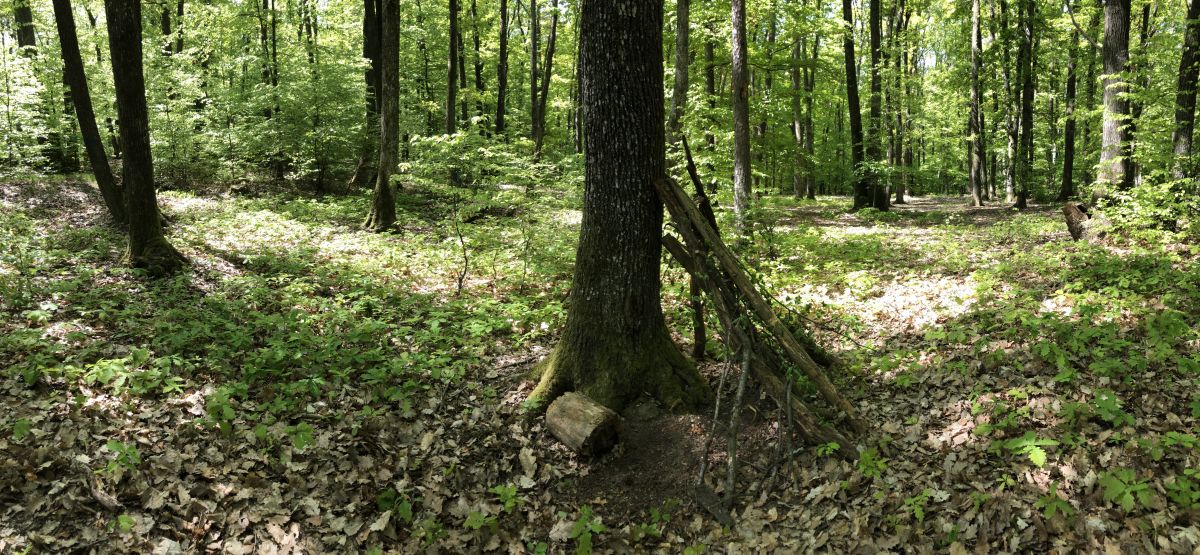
x=599, y=276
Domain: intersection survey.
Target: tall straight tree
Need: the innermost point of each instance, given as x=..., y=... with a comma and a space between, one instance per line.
x=1116, y=170
x=1025, y=61
x=682, y=59
x=616, y=347
x=383, y=205
x=452, y=71
x=741, y=118
x=502, y=70
x=539, y=114
x=148, y=247
x=82, y=98
x=1185, y=95
x=1067, y=189
x=977, y=152
x=862, y=183
x=364, y=170
x=879, y=193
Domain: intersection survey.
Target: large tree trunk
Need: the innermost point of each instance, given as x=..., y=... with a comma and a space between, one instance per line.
x=682, y=61
x=77, y=81
x=502, y=69
x=148, y=248
x=1185, y=95
x=23, y=21
x=1115, y=160
x=862, y=182
x=1067, y=188
x=975, y=146
x=616, y=346
x=383, y=206
x=741, y=118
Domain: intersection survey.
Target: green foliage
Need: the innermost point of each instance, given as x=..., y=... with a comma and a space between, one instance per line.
x=1051, y=504
x=507, y=496
x=126, y=456
x=1184, y=490
x=1124, y=489
x=21, y=428
x=870, y=464
x=584, y=529
x=915, y=505
x=1030, y=445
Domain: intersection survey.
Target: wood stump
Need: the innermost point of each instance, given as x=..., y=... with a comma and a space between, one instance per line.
x=582, y=424
x=1082, y=224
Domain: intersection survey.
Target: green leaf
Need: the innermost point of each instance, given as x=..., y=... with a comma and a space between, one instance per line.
x=21, y=429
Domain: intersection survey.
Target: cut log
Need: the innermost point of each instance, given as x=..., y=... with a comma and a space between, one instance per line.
x=1083, y=225
x=582, y=424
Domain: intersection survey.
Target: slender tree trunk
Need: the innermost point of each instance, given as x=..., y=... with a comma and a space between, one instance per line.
x=1185, y=95
x=741, y=119
x=539, y=127
x=862, y=181
x=452, y=72
x=148, y=248
x=1115, y=160
x=502, y=70
x=480, y=88
x=364, y=171
x=535, y=30
x=383, y=205
x=976, y=149
x=810, y=87
x=1089, y=102
x=462, y=69
x=799, y=56
x=1067, y=188
x=710, y=82
x=615, y=346
x=77, y=81
x=879, y=193
x=1025, y=71
x=682, y=61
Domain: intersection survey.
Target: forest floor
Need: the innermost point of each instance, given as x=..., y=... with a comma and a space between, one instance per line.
x=308, y=387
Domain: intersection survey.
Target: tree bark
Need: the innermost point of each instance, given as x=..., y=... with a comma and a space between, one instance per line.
x=862, y=182
x=148, y=248
x=383, y=206
x=976, y=118
x=879, y=193
x=741, y=119
x=1025, y=62
x=480, y=88
x=616, y=346
x=539, y=127
x=77, y=81
x=26, y=33
x=364, y=171
x=535, y=30
x=682, y=61
x=452, y=72
x=502, y=70
x=1115, y=161
x=1185, y=95
x=1067, y=188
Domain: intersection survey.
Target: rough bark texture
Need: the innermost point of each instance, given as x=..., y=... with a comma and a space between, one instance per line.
x=1185, y=95
x=82, y=100
x=1115, y=162
x=862, y=183
x=148, y=248
x=23, y=21
x=502, y=69
x=615, y=346
x=682, y=59
x=383, y=206
x=741, y=118
x=582, y=424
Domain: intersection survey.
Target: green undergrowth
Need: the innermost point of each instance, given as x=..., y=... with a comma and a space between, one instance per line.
x=286, y=302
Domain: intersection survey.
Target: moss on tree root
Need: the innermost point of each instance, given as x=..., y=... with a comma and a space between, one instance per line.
x=158, y=257
x=616, y=371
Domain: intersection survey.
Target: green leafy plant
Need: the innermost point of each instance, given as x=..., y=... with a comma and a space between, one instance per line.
x=1184, y=489
x=400, y=505
x=870, y=464
x=584, y=529
x=826, y=449
x=21, y=428
x=915, y=505
x=507, y=495
x=1031, y=446
x=126, y=456
x=1108, y=407
x=1123, y=488
x=1051, y=504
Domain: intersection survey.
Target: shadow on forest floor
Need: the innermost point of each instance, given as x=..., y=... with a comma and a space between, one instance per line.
x=307, y=386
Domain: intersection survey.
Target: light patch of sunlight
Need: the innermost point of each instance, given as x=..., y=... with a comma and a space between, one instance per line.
x=192, y=204
x=1059, y=304
x=568, y=217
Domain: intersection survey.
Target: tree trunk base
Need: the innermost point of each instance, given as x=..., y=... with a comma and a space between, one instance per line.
x=158, y=257
x=619, y=371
